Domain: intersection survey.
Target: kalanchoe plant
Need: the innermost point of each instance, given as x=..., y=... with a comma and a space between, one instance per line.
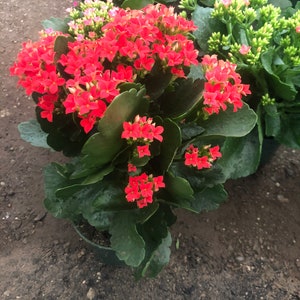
x=149, y=123
x=263, y=39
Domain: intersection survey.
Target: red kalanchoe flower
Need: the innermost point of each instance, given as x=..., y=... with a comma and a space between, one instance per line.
x=201, y=158
x=141, y=188
x=143, y=151
x=142, y=129
x=223, y=85
x=215, y=152
x=131, y=168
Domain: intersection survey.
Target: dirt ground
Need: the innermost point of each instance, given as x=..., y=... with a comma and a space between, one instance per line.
x=247, y=249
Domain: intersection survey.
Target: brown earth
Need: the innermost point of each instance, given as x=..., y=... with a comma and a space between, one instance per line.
x=247, y=249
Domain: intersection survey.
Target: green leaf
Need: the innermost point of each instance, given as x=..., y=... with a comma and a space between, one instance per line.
x=196, y=72
x=125, y=240
x=272, y=120
x=156, y=236
x=64, y=133
x=181, y=192
x=206, y=26
x=104, y=145
x=159, y=258
x=191, y=130
x=283, y=89
x=185, y=96
x=32, y=133
x=240, y=155
x=57, y=24
x=209, y=198
x=170, y=144
x=93, y=178
x=61, y=46
x=229, y=123
x=136, y=4
x=289, y=134
x=157, y=81
x=54, y=178
x=198, y=179
x=283, y=4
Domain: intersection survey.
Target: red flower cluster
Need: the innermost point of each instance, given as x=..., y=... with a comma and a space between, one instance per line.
x=154, y=33
x=92, y=87
x=201, y=159
x=142, y=132
x=37, y=72
x=130, y=44
x=141, y=188
x=142, y=129
x=223, y=85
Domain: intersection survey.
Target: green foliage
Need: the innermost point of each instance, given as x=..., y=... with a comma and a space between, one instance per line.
x=206, y=26
x=136, y=4
x=32, y=133
x=57, y=24
x=230, y=124
x=271, y=63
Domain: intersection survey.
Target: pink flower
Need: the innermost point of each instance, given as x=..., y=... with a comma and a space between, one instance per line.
x=298, y=29
x=226, y=3
x=244, y=49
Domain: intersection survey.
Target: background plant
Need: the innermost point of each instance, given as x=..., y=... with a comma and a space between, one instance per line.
x=262, y=38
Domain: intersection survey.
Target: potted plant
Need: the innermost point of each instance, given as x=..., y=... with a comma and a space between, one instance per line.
x=263, y=39
x=143, y=117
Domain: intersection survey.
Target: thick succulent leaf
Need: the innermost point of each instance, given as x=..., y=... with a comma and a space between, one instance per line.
x=32, y=133
x=156, y=236
x=289, y=134
x=209, y=198
x=157, y=81
x=61, y=46
x=57, y=24
x=125, y=240
x=272, y=120
x=198, y=179
x=185, y=96
x=159, y=258
x=240, y=155
x=98, y=176
x=136, y=4
x=104, y=145
x=191, y=130
x=206, y=26
x=282, y=89
x=54, y=178
x=170, y=144
x=64, y=133
x=180, y=191
x=229, y=123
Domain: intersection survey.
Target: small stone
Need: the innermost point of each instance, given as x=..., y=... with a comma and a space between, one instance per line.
x=6, y=294
x=297, y=263
x=240, y=258
x=91, y=294
x=81, y=253
x=282, y=199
